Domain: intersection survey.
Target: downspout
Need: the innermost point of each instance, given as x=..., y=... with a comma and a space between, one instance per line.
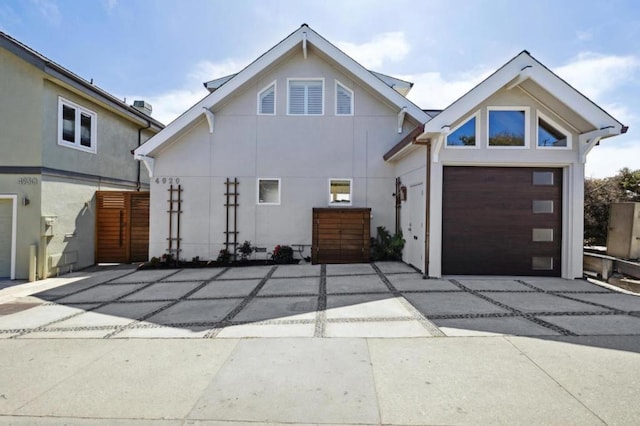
x=138, y=183
x=427, y=219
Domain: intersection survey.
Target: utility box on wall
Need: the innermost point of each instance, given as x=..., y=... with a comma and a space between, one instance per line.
x=623, y=238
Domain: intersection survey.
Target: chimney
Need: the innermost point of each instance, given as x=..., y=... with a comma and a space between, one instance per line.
x=143, y=106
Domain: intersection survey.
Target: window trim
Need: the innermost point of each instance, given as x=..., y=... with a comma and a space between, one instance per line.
x=332, y=203
x=475, y=115
x=527, y=125
x=258, y=191
x=320, y=79
x=559, y=128
x=338, y=83
x=274, y=83
x=78, y=111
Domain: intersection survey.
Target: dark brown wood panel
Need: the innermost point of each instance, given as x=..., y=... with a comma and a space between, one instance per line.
x=488, y=221
x=341, y=235
x=122, y=226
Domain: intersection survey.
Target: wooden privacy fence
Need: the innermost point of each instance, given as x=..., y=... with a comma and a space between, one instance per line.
x=122, y=226
x=341, y=235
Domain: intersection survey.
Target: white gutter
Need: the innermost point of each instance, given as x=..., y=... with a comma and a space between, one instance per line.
x=589, y=140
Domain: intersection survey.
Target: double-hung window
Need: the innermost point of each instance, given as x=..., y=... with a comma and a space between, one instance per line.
x=306, y=97
x=267, y=100
x=76, y=126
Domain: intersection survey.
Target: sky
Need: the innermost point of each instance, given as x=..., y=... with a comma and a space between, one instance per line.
x=163, y=50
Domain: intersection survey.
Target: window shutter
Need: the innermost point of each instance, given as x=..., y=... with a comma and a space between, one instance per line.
x=314, y=102
x=306, y=97
x=296, y=97
x=343, y=100
x=268, y=101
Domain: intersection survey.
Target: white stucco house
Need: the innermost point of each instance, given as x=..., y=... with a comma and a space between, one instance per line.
x=491, y=185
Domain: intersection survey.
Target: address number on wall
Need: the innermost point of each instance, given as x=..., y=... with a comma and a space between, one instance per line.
x=25, y=180
x=167, y=180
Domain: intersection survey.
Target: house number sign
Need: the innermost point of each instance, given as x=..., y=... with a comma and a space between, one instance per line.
x=27, y=180
x=168, y=180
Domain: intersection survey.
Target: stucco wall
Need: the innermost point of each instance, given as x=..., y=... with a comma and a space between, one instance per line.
x=20, y=112
x=116, y=137
x=304, y=152
x=28, y=217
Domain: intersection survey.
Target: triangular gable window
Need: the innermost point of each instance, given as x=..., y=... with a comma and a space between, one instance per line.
x=464, y=134
x=551, y=135
x=267, y=100
x=344, y=100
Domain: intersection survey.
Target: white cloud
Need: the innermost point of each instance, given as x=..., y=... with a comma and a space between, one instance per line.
x=584, y=35
x=596, y=75
x=392, y=47
x=49, y=9
x=168, y=105
x=110, y=4
x=432, y=90
x=609, y=157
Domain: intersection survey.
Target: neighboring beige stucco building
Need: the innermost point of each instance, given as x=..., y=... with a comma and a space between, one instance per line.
x=49, y=173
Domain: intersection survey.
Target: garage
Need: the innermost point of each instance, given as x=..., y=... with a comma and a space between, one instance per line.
x=502, y=221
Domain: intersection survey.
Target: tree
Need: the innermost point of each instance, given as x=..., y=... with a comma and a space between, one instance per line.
x=598, y=196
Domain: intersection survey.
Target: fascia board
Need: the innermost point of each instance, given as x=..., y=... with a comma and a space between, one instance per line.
x=214, y=98
x=541, y=76
x=365, y=75
x=211, y=100
x=477, y=95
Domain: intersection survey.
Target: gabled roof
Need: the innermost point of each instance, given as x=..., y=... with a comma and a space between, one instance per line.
x=401, y=86
x=298, y=39
x=60, y=73
x=519, y=69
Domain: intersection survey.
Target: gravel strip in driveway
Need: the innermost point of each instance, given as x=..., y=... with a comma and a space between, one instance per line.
x=384, y=299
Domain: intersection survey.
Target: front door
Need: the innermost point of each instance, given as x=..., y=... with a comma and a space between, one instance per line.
x=415, y=230
x=6, y=229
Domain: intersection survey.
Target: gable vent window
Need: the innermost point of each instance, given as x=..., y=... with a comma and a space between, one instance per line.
x=76, y=126
x=344, y=100
x=464, y=135
x=306, y=97
x=551, y=134
x=267, y=100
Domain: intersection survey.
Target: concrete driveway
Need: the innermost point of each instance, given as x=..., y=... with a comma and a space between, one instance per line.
x=520, y=351
x=361, y=300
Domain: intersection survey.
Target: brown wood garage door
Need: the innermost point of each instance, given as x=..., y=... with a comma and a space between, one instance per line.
x=341, y=235
x=502, y=221
x=122, y=226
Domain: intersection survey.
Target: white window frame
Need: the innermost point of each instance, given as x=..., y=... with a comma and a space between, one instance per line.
x=275, y=97
x=475, y=115
x=258, y=191
x=527, y=125
x=561, y=129
x=338, y=83
x=289, y=96
x=94, y=127
x=331, y=203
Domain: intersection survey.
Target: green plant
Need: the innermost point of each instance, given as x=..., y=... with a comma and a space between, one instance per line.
x=154, y=262
x=224, y=256
x=386, y=246
x=282, y=254
x=245, y=250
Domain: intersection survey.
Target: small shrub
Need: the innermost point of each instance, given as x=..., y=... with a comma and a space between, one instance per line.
x=386, y=246
x=282, y=254
x=224, y=256
x=245, y=250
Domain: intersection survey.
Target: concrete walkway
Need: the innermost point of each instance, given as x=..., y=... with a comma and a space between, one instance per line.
x=341, y=344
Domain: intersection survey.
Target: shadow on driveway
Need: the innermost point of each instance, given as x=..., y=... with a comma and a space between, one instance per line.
x=386, y=299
